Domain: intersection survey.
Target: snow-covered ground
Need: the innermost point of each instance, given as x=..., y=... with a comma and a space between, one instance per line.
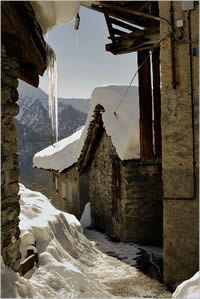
x=70, y=266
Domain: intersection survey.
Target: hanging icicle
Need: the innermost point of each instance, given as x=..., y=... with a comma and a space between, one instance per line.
x=53, y=98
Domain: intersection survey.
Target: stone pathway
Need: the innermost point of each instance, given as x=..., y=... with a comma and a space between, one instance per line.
x=118, y=273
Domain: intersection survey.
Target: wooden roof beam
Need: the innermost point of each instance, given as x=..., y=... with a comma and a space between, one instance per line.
x=128, y=46
x=123, y=24
x=116, y=14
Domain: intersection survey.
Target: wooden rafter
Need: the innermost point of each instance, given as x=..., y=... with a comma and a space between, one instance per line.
x=135, y=17
x=145, y=103
x=157, y=102
x=23, y=39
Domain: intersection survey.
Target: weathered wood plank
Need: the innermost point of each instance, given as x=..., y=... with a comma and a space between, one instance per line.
x=28, y=263
x=145, y=103
x=28, y=73
x=14, y=24
x=123, y=24
x=109, y=25
x=157, y=102
x=128, y=46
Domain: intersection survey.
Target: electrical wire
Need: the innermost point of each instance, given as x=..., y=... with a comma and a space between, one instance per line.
x=126, y=91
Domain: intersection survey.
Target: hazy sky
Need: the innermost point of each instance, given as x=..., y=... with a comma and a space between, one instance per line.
x=82, y=60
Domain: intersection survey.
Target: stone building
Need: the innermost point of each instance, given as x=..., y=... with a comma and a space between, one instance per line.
x=70, y=190
x=169, y=31
x=23, y=56
x=125, y=192
x=180, y=139
x=174, y=44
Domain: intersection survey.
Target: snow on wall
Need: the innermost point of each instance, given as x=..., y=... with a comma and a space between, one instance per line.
x=60, y=155
x=122, y=127
x=50, y=14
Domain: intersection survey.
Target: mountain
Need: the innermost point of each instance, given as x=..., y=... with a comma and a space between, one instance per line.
x=34, y=131
x=27, y=91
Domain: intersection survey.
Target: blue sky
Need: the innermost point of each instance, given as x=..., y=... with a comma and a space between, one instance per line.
x=82, y=60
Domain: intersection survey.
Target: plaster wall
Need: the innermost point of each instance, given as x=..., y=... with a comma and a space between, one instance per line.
x=180, y=141
x=66, y=195
x=10, y=207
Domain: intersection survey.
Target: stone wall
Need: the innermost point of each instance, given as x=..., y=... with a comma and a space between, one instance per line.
x=141, y=195
x=100, y=185
x=10, y=207
x=139, y=216
x=180, y=141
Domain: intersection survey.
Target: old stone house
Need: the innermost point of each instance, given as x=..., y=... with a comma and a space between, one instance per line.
x=125, y=192
x=70, y=190
x=169, y=31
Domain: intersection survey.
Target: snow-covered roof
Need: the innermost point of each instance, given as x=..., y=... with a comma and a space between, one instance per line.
x=120, y=119
x=59, y=156
x=50, y=14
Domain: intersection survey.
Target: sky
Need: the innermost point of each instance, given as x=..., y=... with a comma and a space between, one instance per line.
x=83, y=63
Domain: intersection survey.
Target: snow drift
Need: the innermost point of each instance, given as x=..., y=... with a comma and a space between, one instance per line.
x=189, y=289
x=64, y=254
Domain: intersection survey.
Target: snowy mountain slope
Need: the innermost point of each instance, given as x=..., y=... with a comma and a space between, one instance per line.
x=29, y=93
x=34, y=125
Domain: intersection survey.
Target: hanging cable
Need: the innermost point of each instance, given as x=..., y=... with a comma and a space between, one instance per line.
x=125, y=93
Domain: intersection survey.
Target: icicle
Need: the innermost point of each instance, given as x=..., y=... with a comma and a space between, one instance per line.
x=53, y=99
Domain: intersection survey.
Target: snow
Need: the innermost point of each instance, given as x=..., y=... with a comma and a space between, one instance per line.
x=86, y=216
x=60, y=155
x=70, y=266
x=123, y=127
x=51, y=14
x=189, y=289
x=63, y=251
x=53, y=97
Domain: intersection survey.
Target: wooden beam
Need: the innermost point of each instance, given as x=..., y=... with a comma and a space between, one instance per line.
x=123, y=24
x=28, y=263
x=21, y=30
x=123, y=45
x=28, y=73
x=109, y=25
x=119, y=32
x=145, y=103
x=129, y=11
x=138, y=21
x=157, y=102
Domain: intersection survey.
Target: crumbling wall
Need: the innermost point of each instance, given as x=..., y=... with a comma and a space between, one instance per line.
x=134, y=213
x=180, y=139
x=66, y=192
x=100, y=185
x=10, y=207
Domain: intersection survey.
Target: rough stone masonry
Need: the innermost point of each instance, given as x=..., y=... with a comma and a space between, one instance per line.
x=10, y=207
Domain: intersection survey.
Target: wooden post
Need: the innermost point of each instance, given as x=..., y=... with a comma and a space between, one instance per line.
x=157, y=102
x=145, y=103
